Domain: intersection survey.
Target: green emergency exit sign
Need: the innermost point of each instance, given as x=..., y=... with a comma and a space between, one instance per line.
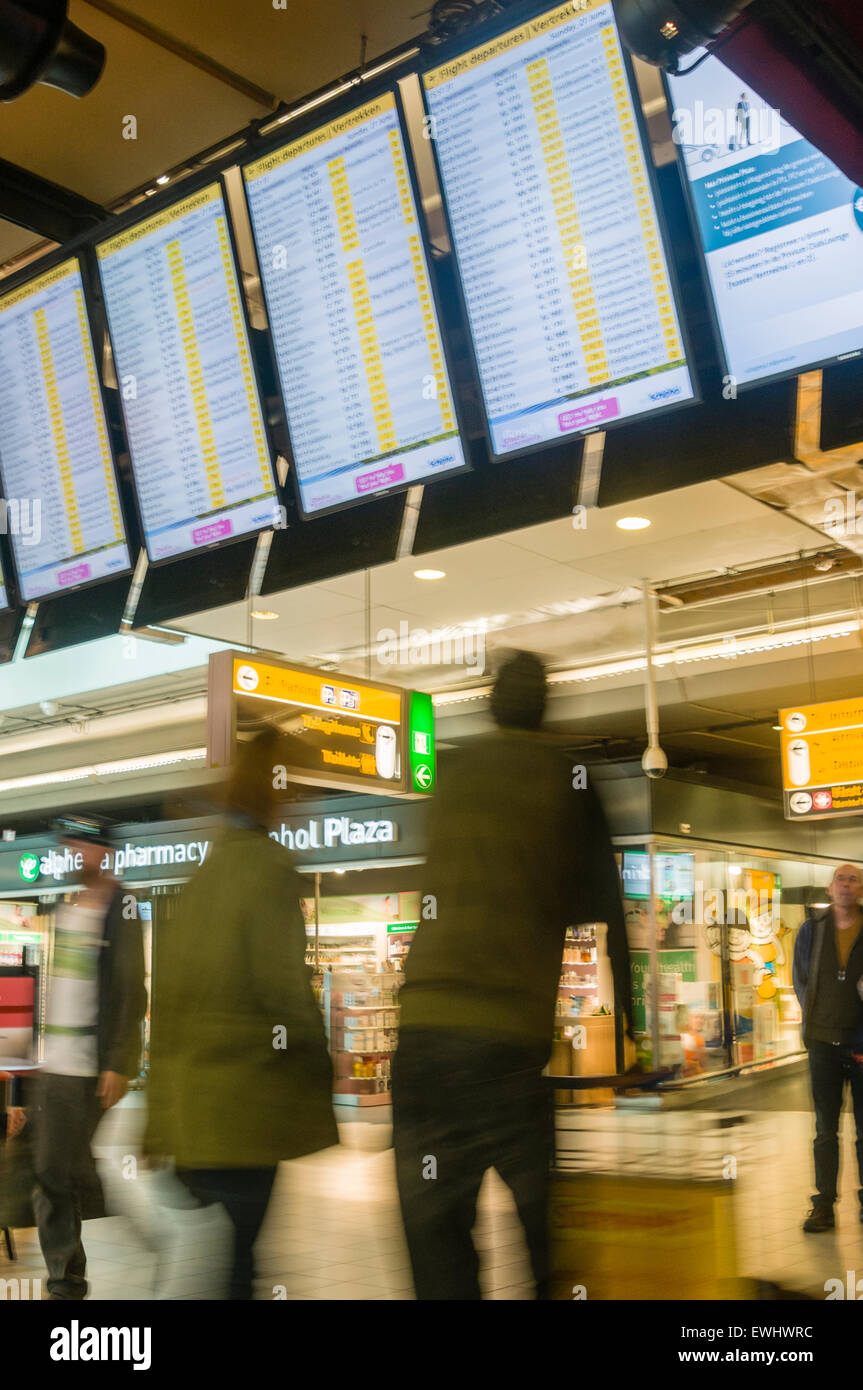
x=421, y=742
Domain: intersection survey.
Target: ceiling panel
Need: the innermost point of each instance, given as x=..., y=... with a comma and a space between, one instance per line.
x=80, y=144
x=691, y=510
x=715, y=548
x=289, y=50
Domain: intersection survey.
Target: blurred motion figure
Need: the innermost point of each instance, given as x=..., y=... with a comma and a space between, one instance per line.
x=518, y=851
x=96, y=1001
x=240, y=1073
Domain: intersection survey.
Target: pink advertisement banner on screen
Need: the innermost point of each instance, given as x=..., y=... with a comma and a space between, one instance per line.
x=204, y=535
x=586, y=415
x=381, y=477
x=76, y=575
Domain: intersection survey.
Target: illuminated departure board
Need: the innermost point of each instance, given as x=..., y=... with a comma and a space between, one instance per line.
x=555, y=230
x=61, y=506
x=200, y=458
x=352, y=315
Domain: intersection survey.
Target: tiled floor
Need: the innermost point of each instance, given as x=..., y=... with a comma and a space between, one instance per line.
x=333, y=1229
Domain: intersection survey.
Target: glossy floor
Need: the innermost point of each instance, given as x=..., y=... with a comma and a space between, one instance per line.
x=333, y=1229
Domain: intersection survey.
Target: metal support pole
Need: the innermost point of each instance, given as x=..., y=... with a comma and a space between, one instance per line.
x=651, y=708
x=317, y=915
x=654, y=962
x=368, y=593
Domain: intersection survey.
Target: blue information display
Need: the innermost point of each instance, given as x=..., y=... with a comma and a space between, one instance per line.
x=674, y=874
x=781, y=229
x=352, y=315
x=555, y=230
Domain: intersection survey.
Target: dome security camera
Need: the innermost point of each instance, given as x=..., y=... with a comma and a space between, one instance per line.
x=654, y=762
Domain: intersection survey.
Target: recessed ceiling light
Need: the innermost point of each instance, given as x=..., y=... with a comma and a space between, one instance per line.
x=777, y=727
x=266, y=615
x=429, y=574
x=163, y=179
x=632, y=523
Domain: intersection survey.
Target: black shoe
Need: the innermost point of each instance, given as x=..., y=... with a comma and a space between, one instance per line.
x=821, y=1218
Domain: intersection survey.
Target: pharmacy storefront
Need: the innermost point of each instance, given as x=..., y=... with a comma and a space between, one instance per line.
x=360, y=857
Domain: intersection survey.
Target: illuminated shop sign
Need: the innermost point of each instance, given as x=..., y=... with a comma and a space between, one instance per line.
x=318, y=832
x=331, y=832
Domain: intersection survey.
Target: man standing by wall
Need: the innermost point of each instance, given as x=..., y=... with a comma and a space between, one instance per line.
x=828, y=974
x=96, y=1001
x=518, y=851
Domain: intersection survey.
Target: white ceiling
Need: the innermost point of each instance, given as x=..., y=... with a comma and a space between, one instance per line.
x=519, y=579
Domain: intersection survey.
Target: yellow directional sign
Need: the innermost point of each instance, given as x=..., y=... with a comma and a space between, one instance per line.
x=822, y=759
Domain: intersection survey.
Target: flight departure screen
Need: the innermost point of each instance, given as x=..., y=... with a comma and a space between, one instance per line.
x=353, y=320
x=781, y=228
x=200, y=457
x=554, y=226
x=62, y=511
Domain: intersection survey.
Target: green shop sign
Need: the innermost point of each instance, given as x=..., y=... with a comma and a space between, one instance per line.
x=682, y=963
x=28, y=867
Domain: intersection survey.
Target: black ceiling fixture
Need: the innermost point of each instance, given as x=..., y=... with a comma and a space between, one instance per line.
x=451, y=17
x=662, y=31
x=39, y=44
x=804, y=58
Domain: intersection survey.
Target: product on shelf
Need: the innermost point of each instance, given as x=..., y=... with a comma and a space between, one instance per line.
x=361, y=1013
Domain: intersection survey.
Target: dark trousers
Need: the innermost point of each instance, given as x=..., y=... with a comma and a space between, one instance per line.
x=245, y=1195
x=65, y=1112
x=461, y=1106
x=830, y=1066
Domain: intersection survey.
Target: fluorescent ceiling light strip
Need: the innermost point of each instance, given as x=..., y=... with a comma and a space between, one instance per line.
x=80, y=774
x=369, y=73
x=746, y=646
x=728, y=649
x=329, y=95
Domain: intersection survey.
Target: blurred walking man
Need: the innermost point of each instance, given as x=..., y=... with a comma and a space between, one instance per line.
x=96, y=1001
x=518, y=851
x=828, y=978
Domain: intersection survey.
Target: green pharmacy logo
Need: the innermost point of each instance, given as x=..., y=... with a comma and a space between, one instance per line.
x=28, y=867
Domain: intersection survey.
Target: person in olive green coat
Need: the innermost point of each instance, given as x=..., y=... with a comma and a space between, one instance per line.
x=240, y=1073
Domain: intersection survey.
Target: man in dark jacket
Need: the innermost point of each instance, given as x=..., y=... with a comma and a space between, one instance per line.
x=828, y=979
x=518, y=850
x=96, y=1001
